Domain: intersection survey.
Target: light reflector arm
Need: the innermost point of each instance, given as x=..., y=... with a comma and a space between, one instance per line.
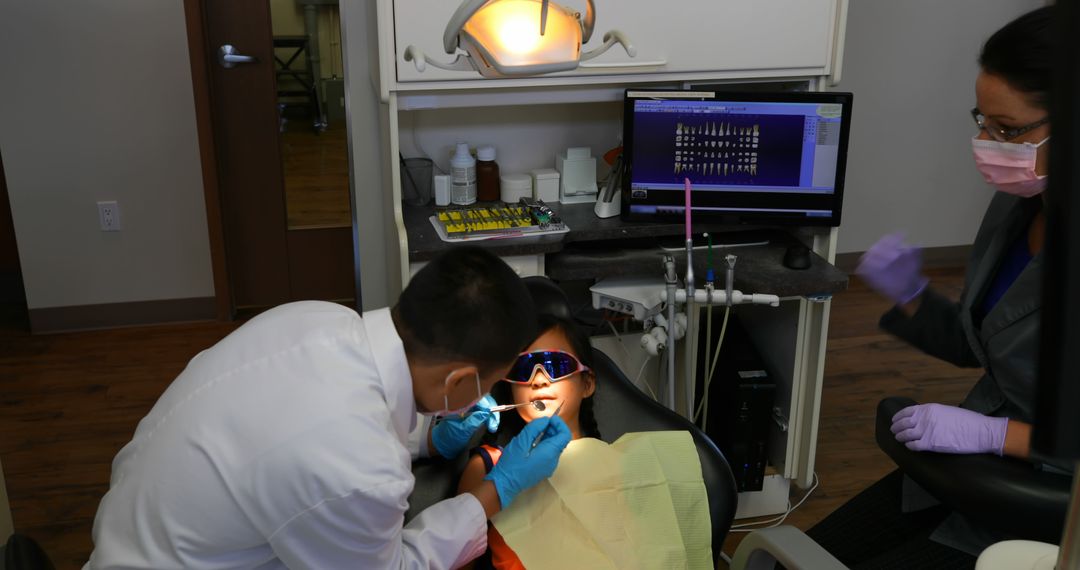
x=421, y=60
x=611, y=38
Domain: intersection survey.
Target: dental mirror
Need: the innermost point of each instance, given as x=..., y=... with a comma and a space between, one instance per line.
x=538, y=404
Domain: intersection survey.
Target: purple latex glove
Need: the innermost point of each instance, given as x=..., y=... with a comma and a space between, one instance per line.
x=949, y=429
x=893, y=269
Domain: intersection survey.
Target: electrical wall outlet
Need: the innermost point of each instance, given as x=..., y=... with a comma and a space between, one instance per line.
x=109, y=216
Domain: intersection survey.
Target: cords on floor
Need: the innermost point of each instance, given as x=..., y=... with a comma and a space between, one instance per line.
x=778, y=520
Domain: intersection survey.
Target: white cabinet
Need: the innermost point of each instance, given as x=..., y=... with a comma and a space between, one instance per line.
x=678, y=43
x=702, y=38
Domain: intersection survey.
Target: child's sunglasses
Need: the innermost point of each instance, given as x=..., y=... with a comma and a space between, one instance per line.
x=558, y=365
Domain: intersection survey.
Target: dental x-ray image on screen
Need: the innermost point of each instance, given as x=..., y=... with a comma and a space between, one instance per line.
x=752, y=158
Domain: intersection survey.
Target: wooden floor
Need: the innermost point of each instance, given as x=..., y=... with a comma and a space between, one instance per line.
x=316, y=172
x=68, y=402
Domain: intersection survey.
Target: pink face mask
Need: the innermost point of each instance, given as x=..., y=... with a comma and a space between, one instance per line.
x=1009, y=166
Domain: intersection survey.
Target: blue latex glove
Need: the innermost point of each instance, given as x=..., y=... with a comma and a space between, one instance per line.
x=453, y=433
x=949, y=429
x=893, y=269
x=518, y=469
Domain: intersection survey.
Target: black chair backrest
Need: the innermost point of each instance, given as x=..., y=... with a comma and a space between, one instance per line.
x=1000, y=492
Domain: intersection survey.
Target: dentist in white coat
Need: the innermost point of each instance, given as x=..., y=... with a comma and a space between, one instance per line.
x=289, y=443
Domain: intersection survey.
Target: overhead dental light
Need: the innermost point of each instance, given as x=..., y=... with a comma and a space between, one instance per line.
x=508, y=38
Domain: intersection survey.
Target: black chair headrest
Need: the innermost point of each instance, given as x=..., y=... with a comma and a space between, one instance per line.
x=548, y=297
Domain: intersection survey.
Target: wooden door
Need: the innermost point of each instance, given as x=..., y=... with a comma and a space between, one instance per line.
x=268, y=261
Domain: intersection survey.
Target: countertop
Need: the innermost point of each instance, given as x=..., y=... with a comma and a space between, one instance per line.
x=596, y=248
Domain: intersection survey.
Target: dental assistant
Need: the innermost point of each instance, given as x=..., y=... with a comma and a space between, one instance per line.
x=995, y=325
x=289, y=443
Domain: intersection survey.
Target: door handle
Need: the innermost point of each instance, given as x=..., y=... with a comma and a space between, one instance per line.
x=228, y=57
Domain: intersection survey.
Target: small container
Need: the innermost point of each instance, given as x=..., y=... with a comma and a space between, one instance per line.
x=442, y=190
x=487, y=175
x=416, y=177
x=515, y=187
x=546, y=185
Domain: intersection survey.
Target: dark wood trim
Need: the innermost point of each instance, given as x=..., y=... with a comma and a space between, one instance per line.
x=112, y=315
x=197, y=49
x=933, y=257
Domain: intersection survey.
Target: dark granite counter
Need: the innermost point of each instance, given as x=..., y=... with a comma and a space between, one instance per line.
x=596, y=248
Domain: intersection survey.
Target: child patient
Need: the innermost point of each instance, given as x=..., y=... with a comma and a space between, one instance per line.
x=554, y=370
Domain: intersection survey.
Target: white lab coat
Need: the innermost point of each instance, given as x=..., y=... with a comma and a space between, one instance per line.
x=287, y=444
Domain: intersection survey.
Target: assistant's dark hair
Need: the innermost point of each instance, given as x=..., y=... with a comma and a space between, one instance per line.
x=511, y=423
x=468, y=305
x=1023, y=52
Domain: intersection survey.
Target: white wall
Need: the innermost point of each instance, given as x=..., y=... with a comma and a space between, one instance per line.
x=912, y=66
x=549, y=128
x=97, y=104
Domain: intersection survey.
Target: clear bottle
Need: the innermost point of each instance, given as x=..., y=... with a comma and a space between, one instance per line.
x=487, y=175
x=462, y=176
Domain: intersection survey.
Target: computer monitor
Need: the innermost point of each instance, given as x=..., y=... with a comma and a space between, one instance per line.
x=752, y=158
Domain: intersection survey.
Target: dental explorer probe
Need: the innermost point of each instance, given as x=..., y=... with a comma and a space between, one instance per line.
x=538, y=404
x=536, y=441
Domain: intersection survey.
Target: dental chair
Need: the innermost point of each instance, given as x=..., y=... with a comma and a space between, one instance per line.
x=620, y=407
x=1002, y=493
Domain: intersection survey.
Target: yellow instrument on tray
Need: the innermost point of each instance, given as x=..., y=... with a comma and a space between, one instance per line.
x=487, y=220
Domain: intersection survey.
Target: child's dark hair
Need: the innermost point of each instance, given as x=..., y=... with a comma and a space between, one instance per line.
x=511, y=422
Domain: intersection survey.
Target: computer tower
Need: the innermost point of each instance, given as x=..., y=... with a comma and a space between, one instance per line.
x=741, y=395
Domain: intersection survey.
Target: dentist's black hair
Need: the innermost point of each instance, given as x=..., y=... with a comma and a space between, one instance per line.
x=1023, y=54
x=510, y=423
x=466, y=305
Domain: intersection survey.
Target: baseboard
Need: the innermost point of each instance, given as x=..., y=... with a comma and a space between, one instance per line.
x=113, y=315
x=933, y=257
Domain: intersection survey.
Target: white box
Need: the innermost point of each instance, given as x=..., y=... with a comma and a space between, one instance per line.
x=638, y=296
x=442, y=190
x=546, y=185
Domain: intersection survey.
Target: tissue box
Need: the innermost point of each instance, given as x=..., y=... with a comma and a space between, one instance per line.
x=577, y=175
